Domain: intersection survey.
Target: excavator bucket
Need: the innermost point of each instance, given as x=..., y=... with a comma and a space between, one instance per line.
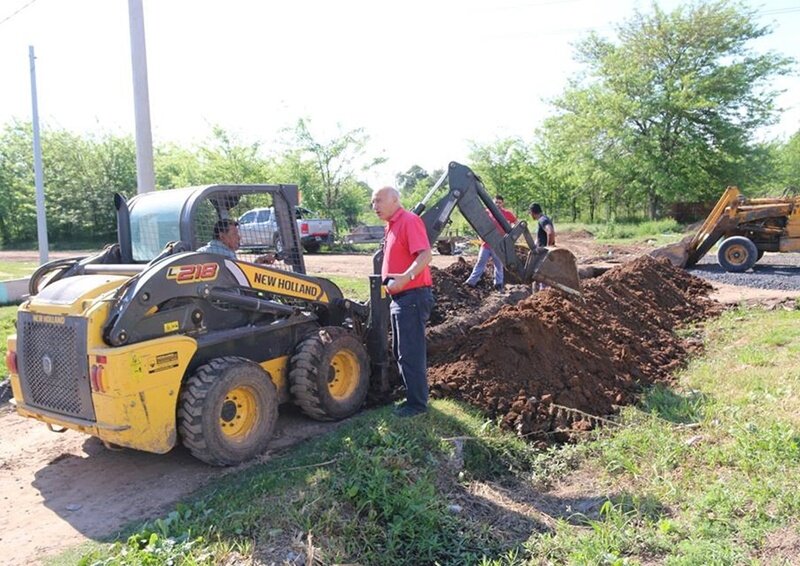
x=555, y=267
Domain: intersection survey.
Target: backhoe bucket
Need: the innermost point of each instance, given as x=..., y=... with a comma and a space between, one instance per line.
x=555, y=267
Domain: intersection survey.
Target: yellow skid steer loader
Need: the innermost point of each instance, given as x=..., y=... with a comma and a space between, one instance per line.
x=149, y=343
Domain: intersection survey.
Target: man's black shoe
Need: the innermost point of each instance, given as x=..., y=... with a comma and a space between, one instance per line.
x=499, y=288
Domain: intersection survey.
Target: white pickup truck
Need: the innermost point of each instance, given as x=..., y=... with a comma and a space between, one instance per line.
x=258, y=229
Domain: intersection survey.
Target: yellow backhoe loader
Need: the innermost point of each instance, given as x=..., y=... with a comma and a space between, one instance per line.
x=747, y=228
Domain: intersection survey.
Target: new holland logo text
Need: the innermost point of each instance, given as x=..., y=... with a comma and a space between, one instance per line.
x=193, y=273
x=287, y=285
x=49, y=319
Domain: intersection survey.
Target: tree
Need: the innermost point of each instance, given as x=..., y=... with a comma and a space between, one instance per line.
x=226, y=160
x=669, y=109
x=407, y=182
x=81, y=175
x=506, y=167
x=789, y=163
x=326, y=169
x=17, y=197
x=177, y=167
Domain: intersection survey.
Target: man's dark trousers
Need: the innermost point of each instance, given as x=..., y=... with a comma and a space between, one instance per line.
x=410, y=311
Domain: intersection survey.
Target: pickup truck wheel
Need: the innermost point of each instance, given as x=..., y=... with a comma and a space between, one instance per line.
x=312, y=247
x=737, y=254
x=329, y=374
x=227, y=411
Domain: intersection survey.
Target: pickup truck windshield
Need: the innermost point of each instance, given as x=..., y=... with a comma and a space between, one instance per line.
x=262, y=215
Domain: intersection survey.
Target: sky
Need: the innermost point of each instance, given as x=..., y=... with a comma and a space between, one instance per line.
x=423, y=78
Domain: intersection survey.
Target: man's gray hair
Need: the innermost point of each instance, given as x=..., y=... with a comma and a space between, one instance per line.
x=389, y=190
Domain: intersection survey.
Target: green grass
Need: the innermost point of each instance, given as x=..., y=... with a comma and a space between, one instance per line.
x=8, y=320
x=60, y=244
x=352, y=287
x=701, y=472
x=16, y=269
x=657, y=231
x=361, y=248
x=371, y=492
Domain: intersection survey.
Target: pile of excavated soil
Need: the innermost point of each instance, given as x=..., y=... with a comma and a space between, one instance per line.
x=550, y=351
x=453, y=296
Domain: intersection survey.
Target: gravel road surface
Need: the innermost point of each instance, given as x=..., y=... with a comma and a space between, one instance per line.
x=774, y=271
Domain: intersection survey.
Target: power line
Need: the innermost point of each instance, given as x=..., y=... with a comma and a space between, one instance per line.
x=4, y=20
x=777, y=11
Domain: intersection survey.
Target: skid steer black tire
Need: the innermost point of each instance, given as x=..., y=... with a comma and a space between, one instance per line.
x=737, y=254
x=227, y=411
x=329, y=374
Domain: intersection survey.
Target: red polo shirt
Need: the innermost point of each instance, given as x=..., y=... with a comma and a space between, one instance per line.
x=509, y=216
x=405, y=238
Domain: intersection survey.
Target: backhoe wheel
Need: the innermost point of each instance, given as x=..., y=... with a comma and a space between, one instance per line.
x=329, y=374
x=737, y=254
x=227, y=411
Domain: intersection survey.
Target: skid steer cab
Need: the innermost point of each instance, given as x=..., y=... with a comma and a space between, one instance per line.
x=149, y=343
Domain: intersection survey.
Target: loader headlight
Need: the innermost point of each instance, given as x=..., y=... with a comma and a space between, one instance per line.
x=96, y=374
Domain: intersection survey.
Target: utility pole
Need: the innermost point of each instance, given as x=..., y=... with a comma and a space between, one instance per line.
x=41, y=218
x=145, y=173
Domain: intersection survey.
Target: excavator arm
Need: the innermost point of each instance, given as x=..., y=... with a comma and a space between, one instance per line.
x=553, y=266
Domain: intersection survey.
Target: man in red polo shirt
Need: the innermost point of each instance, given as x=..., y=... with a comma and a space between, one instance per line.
x=406, y=255
x=486, y=252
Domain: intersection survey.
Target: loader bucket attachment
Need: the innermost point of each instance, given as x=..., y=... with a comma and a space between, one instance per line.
x=555, y=267
x=677, y=254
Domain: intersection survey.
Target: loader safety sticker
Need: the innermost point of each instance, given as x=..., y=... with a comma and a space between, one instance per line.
x=162, y=362
x=136, y=365
x=279, y=283
x=193, y=273
x=171, y=326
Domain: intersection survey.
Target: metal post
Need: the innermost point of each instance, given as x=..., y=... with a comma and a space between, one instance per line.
x=145, y=175
x=41, y=218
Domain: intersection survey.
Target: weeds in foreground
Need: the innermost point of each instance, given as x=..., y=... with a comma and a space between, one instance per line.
x=375, y=492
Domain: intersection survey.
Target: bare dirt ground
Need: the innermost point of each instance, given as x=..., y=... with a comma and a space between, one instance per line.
x=74, y=489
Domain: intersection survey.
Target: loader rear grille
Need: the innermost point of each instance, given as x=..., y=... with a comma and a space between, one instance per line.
x=53, y=366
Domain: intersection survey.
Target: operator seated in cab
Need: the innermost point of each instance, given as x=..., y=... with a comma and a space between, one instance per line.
x=226, y=239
